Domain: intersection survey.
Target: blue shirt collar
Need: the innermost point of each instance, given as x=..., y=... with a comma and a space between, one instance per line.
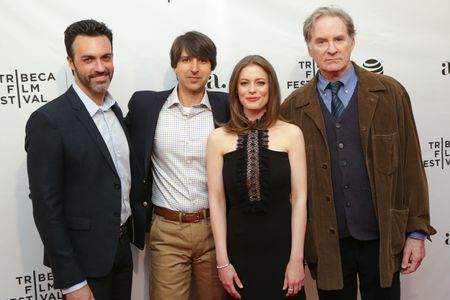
x=348, y=80
x=90, y=105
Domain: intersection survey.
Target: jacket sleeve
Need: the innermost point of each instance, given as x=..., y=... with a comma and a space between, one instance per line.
x=43, y=143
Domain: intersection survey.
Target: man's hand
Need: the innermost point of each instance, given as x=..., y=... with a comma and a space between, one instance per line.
x=84, y=293
x=413, y=254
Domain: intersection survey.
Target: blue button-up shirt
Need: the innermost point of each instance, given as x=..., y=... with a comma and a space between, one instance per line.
x=345, y=93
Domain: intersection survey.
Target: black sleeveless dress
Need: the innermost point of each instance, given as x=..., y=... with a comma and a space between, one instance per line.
x=257, y=190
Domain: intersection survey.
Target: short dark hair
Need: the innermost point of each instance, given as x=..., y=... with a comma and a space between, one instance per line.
x=196, y=44
x=85, y=27
x=238, y=123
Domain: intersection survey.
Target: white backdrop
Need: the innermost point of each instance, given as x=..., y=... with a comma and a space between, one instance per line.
x=410, y=39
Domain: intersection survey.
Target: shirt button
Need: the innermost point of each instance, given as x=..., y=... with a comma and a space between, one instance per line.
x=145, y=204
x=347, y=204
x=338, y=125
x=324, y=166
x=346, y=187
x=341, y=146
x=331, y=231
x=344, y=163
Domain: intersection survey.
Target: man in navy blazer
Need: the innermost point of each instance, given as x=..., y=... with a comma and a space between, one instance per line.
x=80, y=165
x=169, y=130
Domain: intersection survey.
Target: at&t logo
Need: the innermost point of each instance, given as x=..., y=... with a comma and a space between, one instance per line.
x=373, y=66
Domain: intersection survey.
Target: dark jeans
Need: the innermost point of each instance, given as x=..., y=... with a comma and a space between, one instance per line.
x=360, y=261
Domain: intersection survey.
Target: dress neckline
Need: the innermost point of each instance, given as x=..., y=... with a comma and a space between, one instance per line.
x=261, y=134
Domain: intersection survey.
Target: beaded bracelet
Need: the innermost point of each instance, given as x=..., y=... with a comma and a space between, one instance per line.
x=223, y=266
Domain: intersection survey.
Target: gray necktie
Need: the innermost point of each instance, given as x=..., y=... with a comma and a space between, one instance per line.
x=337, y=107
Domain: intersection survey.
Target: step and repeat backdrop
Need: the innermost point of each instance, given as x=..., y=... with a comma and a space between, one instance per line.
x=405, y=39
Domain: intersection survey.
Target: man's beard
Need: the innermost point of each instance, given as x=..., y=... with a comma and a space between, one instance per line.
x=95, y=87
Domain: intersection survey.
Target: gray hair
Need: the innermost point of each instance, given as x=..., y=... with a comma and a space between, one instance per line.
x=327, y=11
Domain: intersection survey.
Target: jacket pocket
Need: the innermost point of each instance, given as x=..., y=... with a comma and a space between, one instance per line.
x=78, y=223
x=385, y=152
x=397, y=234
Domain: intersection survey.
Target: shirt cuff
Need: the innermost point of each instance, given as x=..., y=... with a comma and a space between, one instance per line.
x=417, y=235
x=74, y=288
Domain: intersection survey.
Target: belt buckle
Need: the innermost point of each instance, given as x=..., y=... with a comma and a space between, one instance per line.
x=197, y=219
x=196, y=215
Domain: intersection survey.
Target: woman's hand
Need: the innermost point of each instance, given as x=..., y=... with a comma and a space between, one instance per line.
x=229, y=277
x=294, y=278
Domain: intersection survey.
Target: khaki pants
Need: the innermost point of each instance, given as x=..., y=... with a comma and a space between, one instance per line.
x=181, y=252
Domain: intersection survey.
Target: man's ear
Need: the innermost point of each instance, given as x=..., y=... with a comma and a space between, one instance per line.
x=71, y=64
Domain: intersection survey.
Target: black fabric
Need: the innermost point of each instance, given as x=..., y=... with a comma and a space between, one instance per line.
x=117, y=284
x=360, y=261
x=351, y=188
x=259, y=240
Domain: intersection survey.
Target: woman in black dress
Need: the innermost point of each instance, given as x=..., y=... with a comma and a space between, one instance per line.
x=257, y=190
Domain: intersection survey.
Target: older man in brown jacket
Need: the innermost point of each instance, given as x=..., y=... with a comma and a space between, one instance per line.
x=368, y=211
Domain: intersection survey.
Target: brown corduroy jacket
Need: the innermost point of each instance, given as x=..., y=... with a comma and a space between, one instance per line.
x=393, y=159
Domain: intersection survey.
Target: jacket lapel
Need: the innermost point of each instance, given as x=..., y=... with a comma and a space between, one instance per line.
x=367, y=102
x=218, y=111
x=312, y=108
x=118, y=112
x=155, y=106
x=83, y=116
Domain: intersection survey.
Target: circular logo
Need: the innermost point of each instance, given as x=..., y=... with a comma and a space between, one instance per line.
x=373, y=66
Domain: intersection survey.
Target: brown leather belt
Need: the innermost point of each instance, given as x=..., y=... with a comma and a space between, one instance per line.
x=183, y=217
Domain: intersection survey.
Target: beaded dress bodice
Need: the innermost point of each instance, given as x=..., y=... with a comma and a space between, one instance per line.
x=251, y=165
x=252, y=142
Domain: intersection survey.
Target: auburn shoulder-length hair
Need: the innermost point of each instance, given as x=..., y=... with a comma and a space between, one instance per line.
x=239, y=123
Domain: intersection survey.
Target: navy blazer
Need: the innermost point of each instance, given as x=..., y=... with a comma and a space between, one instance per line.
x=142, y=118
x=76, y=191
